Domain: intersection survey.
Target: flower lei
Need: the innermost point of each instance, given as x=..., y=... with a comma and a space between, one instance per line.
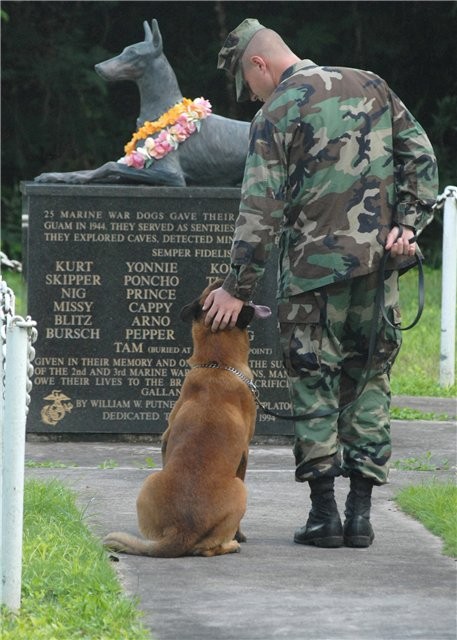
x=173, y=127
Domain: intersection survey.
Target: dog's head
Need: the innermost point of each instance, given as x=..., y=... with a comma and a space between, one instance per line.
x=194, y=310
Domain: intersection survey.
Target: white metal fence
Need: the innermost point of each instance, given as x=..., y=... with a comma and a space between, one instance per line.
x=16, y=338
x=448, y=200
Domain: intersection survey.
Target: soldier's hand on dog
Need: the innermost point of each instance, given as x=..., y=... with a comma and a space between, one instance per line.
x=222, y=309
x=398, y=241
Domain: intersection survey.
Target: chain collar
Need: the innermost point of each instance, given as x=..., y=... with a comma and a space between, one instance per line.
x=245, y=379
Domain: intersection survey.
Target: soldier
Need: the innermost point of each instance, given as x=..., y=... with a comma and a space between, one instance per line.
x=341, y=170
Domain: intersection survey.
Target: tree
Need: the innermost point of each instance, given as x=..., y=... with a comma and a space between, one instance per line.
x=59, y=115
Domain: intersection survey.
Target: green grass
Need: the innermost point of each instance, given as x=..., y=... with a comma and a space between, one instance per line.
x=110, y=463
x=15, y=282
x=69, y=588
x=149, y=463
x=48, y=464
x=435, y=506
x=422, y=463
x=416, y=370
x=405, y=413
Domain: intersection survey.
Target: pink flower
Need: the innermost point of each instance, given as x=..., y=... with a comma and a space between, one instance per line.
x=149, y=146
x=164, y=143
x=134, y=159
x=137, y=160
x=187, y=124
x=202, y=107
x=179, y=132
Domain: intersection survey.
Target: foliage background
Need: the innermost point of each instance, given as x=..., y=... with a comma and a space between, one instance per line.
x=58, y=115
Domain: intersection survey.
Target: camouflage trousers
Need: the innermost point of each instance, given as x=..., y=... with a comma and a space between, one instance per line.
x=324, y=337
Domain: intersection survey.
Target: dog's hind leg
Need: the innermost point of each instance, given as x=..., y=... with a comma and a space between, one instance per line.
x=241, y=473
x=221, y=549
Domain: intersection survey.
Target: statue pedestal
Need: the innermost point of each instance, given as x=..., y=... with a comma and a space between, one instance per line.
x=108, y=270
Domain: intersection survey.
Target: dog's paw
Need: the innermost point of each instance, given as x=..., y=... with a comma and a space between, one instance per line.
x=48, y=177
x=70, y=177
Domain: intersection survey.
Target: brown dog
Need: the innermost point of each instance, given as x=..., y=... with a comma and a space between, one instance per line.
x=194, y=505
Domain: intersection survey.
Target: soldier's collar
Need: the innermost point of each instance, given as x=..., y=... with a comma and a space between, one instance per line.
x=298, y=66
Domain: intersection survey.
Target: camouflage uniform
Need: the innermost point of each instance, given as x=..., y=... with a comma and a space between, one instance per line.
x=335, y=159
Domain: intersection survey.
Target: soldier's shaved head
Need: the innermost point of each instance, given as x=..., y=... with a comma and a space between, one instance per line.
x=267, y=44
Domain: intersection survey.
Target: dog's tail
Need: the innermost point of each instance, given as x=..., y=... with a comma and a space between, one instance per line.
x=163, y=548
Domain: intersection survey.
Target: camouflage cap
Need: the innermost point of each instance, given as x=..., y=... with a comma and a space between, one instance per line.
x=234, y=47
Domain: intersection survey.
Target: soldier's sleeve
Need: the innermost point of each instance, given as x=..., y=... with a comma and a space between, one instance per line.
x=415, y=166
x=261, y=208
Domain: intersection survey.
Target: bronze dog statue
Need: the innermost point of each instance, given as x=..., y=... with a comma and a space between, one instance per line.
x=214, y=156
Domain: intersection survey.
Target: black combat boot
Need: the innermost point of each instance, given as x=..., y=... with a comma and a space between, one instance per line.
x=323, y=528
x=357, y=529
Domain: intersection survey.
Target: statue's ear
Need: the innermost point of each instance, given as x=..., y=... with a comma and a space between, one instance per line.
x=191, y=311
x=245, y=316
x=153, y=35
x=147, y=32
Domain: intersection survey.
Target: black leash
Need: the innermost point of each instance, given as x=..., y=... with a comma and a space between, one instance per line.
x=379, y=308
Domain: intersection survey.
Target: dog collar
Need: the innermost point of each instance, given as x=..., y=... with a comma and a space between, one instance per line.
x=240, y=374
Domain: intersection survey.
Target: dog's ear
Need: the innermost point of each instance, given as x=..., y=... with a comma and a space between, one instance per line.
x=245, y=316
x=191, y=311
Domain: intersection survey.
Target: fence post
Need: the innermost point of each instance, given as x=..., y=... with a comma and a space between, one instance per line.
x=448, y=288
x=16, y=385
x=6, y=313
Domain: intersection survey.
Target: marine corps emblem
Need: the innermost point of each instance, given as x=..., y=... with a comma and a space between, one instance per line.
x=60, y=405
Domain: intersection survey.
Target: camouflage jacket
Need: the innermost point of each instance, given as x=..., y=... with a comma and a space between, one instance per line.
x=334, y=159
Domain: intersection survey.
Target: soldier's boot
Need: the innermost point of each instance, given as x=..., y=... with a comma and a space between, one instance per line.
x=357, y=530
x=323, y=528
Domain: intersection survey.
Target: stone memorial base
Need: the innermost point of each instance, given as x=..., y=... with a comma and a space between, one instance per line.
x=108, y=270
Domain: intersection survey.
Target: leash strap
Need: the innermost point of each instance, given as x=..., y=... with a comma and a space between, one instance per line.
x=420, y=293
x=379, y=308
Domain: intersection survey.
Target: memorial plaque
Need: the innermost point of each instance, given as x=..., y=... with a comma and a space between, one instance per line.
x=108, y=270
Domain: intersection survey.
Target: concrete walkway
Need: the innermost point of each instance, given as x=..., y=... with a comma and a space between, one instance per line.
x=402, y=587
